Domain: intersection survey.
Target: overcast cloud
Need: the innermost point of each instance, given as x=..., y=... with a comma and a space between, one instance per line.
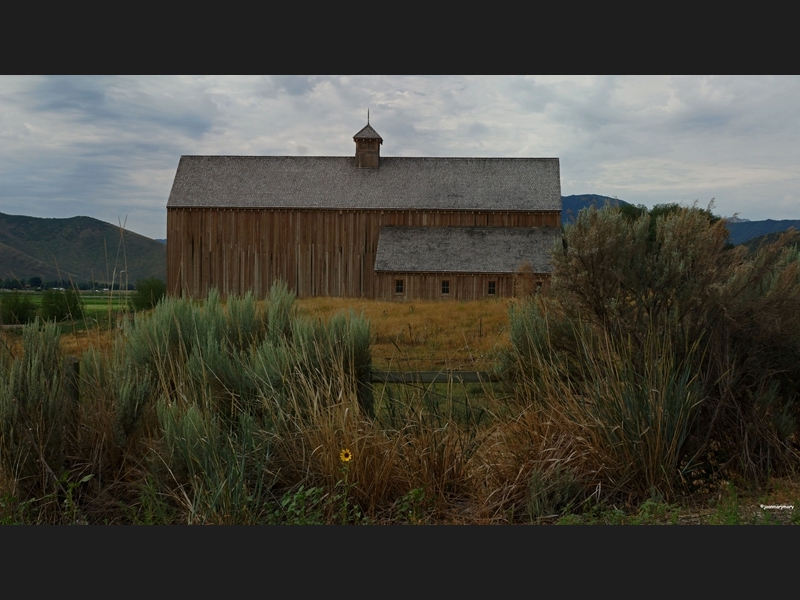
x=107, y=147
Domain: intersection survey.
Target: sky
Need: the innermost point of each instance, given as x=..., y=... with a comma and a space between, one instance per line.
x=108, y=146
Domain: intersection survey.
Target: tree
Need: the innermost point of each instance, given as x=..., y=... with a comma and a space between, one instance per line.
x=59, y=305
x=16, y=309
x=12, y=284
x=148, y=293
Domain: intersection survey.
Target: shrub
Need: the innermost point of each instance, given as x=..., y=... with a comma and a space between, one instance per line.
x=656, y=325
x=16, y=309
x=632, y=407
x=148, y=293
x=60, y=305
x=626, y=273
x=227, y=393
x=552, y=492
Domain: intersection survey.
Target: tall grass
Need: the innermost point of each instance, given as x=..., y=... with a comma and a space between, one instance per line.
x=626, y=410
x=35, y=416
x=213, y=387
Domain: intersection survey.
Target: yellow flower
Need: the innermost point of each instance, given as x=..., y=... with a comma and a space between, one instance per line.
x=345, y=455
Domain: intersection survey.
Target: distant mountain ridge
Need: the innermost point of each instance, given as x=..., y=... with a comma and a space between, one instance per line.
x=77, y=248
x=747, y=230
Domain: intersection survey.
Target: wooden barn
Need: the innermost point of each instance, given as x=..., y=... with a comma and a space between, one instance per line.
x=391, y=228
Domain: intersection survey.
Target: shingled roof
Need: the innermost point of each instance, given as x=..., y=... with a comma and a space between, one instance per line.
x=464, y=249
x=368, y=133
x=334, y=182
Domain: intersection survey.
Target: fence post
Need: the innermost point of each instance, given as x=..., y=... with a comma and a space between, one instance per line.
x=72, y=373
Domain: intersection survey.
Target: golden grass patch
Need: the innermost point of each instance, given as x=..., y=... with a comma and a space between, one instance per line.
x=426, y=335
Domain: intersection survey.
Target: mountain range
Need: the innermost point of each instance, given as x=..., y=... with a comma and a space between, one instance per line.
x=78, y=248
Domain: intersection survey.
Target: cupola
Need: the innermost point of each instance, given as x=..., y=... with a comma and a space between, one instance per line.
x=368, y=147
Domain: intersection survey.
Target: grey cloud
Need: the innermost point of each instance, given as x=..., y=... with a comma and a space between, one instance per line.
x=295, y=85
x=109, y=146
x=90, y=99
x=83, y=96
x=529, y=95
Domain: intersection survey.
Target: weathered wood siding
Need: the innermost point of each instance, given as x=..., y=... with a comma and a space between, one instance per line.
x=461, y=286
x=316, y=252
x=428, y=286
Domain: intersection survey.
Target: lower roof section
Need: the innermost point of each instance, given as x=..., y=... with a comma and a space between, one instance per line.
x=465, y=249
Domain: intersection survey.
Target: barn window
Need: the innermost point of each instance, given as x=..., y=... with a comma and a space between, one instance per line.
x=492, y=288
x=398, y=286
x=445, y=287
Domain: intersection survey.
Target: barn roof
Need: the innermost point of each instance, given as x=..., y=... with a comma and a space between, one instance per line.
x=335, y=182
x=464, y=249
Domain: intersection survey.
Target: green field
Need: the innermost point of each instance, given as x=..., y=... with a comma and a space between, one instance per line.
x=92, y=301
x=103, y=301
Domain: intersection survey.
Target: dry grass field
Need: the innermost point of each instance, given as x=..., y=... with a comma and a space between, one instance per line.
x=427, y=335
x=407, y=336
